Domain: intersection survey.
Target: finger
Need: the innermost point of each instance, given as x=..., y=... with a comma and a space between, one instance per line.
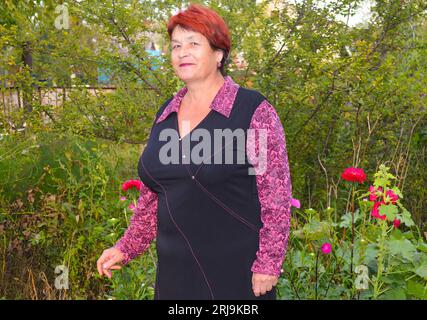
x=107, y=264
x=111, y=261
x=259, y=292
x=115, y=267
x=257, y=289
x=263, y=288
x=99, y=264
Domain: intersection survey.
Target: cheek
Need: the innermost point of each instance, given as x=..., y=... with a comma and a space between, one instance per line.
x=174, y=59
x=207, y=59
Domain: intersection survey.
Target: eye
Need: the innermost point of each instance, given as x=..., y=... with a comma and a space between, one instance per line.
x=194, y=43
x=175, y=46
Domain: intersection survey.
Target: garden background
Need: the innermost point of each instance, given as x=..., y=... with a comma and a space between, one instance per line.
x=80, y=83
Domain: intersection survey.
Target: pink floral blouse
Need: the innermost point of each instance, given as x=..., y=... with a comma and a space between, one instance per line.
x=273, y=184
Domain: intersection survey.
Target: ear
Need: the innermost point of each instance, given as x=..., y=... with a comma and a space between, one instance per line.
x=220, y=54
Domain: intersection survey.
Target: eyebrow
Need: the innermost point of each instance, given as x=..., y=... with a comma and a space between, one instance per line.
x=188, y=38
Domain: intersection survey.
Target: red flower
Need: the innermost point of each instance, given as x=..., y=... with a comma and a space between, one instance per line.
x=389, y=194
x=396, y=223
x=393, y=197
x=373, y=191
x=354, y=175
x=132, y=184
x=376, y=213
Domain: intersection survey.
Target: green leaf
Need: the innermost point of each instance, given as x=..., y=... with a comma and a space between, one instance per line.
x=417, y=289
x=397, y=191
x=405, y=218
x=370, y=254
x=422, y=247
x=422, y=271
x=402, y=247
x=310, y=211
x=316, y=230
x=396, y=234
x=389, y=210
x=395, y=294
x=346, y=219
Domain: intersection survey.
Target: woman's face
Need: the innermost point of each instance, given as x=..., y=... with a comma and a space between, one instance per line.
x=192, y=56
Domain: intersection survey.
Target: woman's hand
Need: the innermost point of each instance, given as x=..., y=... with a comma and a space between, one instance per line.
x=108, y=261
x=261, y=283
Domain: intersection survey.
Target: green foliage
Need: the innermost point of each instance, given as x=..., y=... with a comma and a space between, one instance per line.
x=61, y=203
x=395, y=259
x=346, y=96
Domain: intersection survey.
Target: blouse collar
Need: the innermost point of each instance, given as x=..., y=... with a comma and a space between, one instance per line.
x=222, y=103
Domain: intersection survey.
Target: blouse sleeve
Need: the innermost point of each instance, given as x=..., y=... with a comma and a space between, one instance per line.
x=142, y=228
x=274, y=190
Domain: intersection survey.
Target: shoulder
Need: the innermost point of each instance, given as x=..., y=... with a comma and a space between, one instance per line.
x=260, y=103
x=251, y=102
x=251, y=95
x=258, y=100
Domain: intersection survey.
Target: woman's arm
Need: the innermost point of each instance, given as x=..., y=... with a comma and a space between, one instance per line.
x=274, y=191
x=142, y=228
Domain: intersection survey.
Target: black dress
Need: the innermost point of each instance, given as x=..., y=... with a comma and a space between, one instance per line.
x=208, y=213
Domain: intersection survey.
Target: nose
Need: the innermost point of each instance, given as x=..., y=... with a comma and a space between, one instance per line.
x=183, y=52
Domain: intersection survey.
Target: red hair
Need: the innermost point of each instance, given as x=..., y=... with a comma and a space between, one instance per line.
x=206, y=21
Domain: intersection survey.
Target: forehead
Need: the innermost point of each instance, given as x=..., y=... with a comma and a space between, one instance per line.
x=180, y=34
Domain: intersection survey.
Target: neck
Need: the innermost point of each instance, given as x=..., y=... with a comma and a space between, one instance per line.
x=203, y=91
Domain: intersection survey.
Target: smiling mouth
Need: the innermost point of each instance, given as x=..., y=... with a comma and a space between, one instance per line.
x=186, y=64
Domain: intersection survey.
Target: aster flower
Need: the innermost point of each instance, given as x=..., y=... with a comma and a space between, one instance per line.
x=132, y=184
x=326, y=248
x=354, y=175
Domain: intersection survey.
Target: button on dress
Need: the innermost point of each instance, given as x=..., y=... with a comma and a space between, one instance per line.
x=214, y=223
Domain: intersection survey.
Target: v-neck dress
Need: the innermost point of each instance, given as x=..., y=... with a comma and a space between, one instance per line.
x=207, y=215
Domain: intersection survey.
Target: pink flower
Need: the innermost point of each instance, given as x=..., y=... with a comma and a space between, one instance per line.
x=393, y=197
x=295, y=203
x=354, y=175
x=376, y=213
x=373, y=191
x=326, y=248
x=132, y=184
x=396, y=223
x=132, y=206
x=122, y=198
x=389, y=193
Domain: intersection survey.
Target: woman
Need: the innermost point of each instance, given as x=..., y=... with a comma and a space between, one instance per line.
x=221, y=231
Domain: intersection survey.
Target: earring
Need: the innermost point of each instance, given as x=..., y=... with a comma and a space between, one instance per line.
x=219, y=64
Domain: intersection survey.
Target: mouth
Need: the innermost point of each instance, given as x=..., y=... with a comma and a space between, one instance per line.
x=186, y=64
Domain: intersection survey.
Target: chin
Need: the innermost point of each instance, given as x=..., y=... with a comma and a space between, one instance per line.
x=187, y=76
